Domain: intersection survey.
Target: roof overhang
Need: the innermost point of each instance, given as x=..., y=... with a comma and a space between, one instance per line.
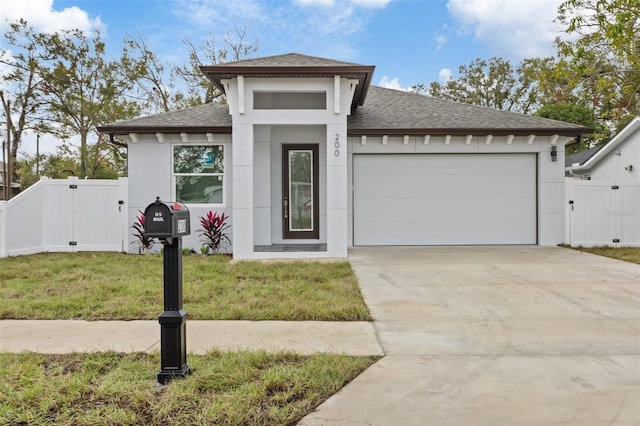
x=116, y=130
x=362, y=73
x=569, y=132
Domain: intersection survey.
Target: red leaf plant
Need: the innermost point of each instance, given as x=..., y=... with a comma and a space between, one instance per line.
x=144, y=243
x=213, y=234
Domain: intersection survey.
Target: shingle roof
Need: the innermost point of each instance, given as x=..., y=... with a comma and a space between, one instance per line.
x=212, y=117
x=386, y=111
x=288, y=60
x=581, y=157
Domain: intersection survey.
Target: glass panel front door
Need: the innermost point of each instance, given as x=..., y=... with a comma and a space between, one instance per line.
x=300, y=200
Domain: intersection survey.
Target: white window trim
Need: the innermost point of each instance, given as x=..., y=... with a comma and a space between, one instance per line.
x=223, y=175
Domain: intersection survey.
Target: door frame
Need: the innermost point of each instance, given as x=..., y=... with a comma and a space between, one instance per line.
x=314, y=233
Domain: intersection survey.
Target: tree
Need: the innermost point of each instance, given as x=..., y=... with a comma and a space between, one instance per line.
x=494, y=83
x=605, y=58
x=63, y=85
x=86, y=90
x=162, y=89
x=156, y=87
x=24, y=94
x=576, y=114
x=200, y=90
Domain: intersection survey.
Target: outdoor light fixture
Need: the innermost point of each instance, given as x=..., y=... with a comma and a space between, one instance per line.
x=554, y=153
x=629, y=168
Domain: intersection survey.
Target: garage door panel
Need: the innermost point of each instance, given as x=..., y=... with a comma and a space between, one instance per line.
x=441, y=164
x=480, y=204
x=445, y=187
x=446, y=210
x=395, y=232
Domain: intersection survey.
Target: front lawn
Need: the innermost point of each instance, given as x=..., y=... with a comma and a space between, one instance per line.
x=232, y=388
x=116, y=286
x=628, y=254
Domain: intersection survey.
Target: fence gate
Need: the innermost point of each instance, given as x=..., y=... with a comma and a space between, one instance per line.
x=603, y=212
x=90, y=212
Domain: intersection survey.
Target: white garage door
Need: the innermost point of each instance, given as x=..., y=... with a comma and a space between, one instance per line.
x=444, y=199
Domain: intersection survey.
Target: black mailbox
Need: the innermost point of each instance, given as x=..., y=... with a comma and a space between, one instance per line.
x=169, y=222
x=166, y=220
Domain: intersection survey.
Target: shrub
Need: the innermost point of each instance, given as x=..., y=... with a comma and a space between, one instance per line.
x=213, y=234
x=144, y=243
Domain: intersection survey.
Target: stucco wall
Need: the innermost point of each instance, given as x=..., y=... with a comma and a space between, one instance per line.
x=258, y=135
x=150, y=175
x=613, y=165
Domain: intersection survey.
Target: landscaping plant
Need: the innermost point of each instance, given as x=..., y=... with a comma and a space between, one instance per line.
x=144, y=243
x=213, y=234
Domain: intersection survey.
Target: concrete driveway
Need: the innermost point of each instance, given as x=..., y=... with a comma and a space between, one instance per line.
x=495, y=336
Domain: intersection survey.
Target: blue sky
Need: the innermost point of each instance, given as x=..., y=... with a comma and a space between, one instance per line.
x=409, y=41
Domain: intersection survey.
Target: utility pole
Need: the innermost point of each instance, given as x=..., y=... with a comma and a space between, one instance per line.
x=38, y=154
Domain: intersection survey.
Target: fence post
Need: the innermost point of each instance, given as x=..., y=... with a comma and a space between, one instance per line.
x=3, y=229
x=124, y=213
x=568, y=208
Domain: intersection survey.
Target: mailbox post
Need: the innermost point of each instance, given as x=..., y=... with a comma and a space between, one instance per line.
x=168, y=222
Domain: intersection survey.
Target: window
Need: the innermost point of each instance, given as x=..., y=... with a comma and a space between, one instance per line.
x=198, y=171
x=289, y=100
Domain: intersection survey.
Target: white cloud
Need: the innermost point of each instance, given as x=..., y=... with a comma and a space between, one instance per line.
x=224, y=15
x=331, y=3
x=371, y=3
x=441, y=40
x=315, y=3
x=391, y=84
x=41, y=15
x=445, y=75
x=512, y=28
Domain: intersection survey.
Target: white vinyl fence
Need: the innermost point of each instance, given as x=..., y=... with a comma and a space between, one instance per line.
x=65, y=215
x=603, y=212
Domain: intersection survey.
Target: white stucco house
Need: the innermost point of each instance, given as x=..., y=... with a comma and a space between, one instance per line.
x=308, y=159
x=617, y=159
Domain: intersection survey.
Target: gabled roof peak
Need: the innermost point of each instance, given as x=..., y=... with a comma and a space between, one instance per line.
x=293, y=65
x=288, y=60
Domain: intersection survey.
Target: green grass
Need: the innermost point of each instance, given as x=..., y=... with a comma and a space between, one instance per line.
x=628, y=254
x=232, y=388
x=116, y=286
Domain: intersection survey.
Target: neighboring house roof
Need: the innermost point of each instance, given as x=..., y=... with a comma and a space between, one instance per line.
x=604, y=150
x=580, y=157
x=387, y=111
x=293, y=65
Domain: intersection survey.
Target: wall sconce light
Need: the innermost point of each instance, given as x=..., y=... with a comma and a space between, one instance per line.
x=629, y=168
x=554, y=153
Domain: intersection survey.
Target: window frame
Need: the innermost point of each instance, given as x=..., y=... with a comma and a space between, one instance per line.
x=222, y=175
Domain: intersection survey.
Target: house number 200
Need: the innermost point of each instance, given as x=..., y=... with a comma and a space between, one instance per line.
x=337, y=145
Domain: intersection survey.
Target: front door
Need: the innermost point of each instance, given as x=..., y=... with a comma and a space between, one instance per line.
x=300, y=210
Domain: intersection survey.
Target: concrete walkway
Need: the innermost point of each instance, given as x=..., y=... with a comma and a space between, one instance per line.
x=57, y=337
x=495, y=336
